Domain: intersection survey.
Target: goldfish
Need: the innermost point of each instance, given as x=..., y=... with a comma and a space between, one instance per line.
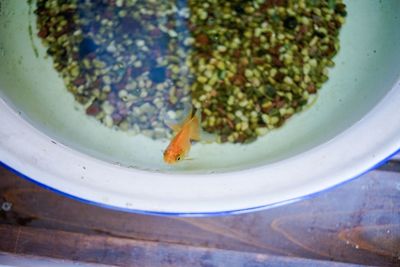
x=180, y=144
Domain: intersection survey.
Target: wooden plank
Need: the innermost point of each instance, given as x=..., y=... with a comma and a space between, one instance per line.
x=391, y=165
x=396, y=157
x=20, y=260
x=356, y=223
x=128, y=252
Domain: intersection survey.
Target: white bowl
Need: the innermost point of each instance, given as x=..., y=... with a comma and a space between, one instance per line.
x=353, y=126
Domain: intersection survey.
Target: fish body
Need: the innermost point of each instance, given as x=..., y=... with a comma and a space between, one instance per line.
x=180, y=144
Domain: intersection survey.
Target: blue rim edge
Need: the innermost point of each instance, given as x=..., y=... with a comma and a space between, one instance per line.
x=196, y=214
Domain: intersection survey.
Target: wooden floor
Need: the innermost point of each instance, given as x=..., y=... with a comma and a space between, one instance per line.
x=357, y=223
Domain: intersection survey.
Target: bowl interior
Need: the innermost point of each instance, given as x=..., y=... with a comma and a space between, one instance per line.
x=366, y=68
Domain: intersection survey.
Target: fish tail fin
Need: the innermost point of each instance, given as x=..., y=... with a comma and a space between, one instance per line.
x=175, y=125
x=208, y=138
x=197, y=133
x=195, y=117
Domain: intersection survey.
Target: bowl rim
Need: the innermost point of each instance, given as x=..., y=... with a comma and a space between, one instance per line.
x=33, y=155
x=194, y=214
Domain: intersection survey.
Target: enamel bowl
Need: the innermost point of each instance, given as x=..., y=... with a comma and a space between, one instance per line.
x=353, y=126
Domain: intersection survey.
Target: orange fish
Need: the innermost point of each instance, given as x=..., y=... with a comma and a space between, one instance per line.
x=186, y=132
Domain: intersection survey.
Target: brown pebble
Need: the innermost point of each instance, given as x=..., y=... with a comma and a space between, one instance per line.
x=275, y=50
x=156, y=32
x=276, y=62
x=244, y=62
x=237, y=53
x=202, y=39
x=43, y=33
x=238, y=79
x=258, y=61
x=311, y=88
x=93, y=109
x=267, y=108
x=301, y=33
x=279, y=104
x=256, y=41
x=273, y=3
x=79, y=81
x=108, y=14
x=230, y=123
x=120, y=85
x=279, y=77
x=224, y=138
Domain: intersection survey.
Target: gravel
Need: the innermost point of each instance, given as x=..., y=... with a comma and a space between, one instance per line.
x=248, y=65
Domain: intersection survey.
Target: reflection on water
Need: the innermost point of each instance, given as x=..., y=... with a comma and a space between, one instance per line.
x=248, y=65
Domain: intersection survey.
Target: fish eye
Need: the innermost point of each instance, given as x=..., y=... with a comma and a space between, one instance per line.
x=178, y=158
